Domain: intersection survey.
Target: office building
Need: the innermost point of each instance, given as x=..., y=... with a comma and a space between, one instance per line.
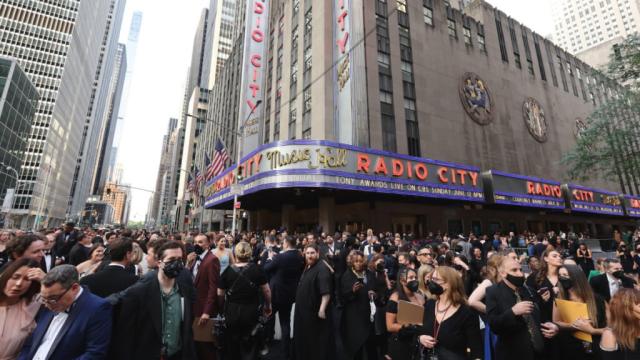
x=161, y=202
x=98, y=115
x=117, y=196
x=132, y=49
x=413, y=116
x=105, y=141
x=18, y=102
x=590, y=29
x=58, y=46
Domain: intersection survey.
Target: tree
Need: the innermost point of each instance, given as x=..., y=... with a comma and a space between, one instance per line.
x=608, y=145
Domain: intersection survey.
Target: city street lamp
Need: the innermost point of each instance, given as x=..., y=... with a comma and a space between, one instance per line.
x=239, y=138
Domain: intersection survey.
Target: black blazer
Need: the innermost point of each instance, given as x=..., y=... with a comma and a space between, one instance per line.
x=62, y=246
x=138, y=328
x=514, y=341
x=284, y=271
x=109, y=281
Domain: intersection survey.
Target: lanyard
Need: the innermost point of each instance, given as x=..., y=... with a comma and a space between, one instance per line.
x=437, y=326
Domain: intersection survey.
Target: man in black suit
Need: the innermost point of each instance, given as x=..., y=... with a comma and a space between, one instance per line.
x=512, y=316
x=608, y=284
x=284, y=270
x=155, y=319
x=65, y=240
x=50, y=258
x=330, y=251
x=114, y=278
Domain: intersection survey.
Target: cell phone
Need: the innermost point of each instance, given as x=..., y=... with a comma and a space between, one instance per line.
x=542, y=290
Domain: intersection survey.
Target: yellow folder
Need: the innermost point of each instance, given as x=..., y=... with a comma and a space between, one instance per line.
x=571, y=311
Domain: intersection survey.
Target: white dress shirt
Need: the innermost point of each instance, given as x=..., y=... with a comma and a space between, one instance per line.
x=196, y=266
x=614, y=284
x=48, y=260
x=52, y=333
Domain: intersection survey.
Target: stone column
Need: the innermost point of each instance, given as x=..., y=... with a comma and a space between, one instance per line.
x=326, y=214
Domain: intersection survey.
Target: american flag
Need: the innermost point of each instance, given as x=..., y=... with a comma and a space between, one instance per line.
x=192, y=183
x=220, y=158
x=199, y=178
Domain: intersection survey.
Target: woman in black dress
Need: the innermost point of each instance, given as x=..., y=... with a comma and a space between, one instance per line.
x=575, y=287
x=401, y=344
x=450, y=330
x=543, y=286
x=584, y=258
x=357, y=294
x=621, y=341
x=240, y=284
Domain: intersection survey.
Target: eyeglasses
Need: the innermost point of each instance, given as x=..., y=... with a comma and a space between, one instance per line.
x=53, y=299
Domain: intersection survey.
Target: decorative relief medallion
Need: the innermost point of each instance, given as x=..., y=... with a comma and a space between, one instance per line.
x=476, y=98
x=535, y=119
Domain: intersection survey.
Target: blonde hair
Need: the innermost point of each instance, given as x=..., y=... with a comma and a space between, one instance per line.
x=422, y=271
x=243, y=251
x=136, y=254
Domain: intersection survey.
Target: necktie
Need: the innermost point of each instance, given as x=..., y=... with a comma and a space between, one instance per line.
x=533, y=328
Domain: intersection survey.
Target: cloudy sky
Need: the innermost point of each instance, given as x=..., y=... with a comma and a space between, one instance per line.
x=162, y=61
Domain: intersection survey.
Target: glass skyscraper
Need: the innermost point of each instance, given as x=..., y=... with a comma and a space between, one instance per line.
x=18, y=101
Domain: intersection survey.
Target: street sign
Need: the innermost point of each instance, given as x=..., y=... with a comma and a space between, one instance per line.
x=238, y=205
x=235, y=189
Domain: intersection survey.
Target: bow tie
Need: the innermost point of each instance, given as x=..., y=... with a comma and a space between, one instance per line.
x=47, y=252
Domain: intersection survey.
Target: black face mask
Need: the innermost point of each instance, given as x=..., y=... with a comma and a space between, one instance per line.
x=517, y=281
x=566, y=283
x=173, y=268
x=413, y=285
x=435, y=288
x=198, y=250
x=618, y=274
x=380, y=267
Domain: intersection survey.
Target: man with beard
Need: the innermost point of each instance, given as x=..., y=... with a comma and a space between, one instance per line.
x=311, y=325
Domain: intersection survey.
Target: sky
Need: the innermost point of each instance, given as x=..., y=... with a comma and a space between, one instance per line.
x=159, y=76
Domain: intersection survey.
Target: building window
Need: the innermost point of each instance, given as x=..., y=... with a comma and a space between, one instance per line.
x=503, y=47
x=428, y=15
x=536, y=44
x=383, y=60
x=386, y=97
x=481, y=44
x=451, y=27
x=292, y=123
x=467, y=35
x=402, y=6
x=552, y=67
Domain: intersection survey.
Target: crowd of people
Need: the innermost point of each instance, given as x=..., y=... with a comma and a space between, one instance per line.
x=73, y=293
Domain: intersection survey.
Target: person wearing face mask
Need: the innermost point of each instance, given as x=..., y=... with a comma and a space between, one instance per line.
x=381, y=287
x=513, y=316
x=402, y=337
x=574, y=287
x=450, y=329
x=239, y=289
x=155, y=319
x=205, y=269
x=607, y=285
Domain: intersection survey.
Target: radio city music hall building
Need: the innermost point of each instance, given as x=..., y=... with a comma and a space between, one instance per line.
x=414, y=116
